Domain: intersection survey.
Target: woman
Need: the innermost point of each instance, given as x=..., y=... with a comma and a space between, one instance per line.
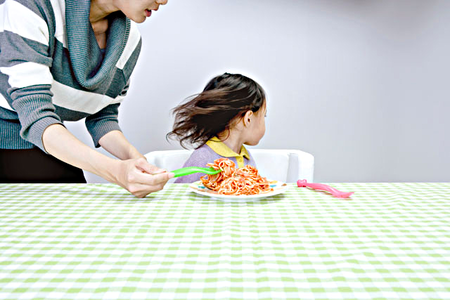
x=66, y=60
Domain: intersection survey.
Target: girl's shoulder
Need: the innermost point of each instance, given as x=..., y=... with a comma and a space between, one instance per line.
x=250, y=161
x=201, y=156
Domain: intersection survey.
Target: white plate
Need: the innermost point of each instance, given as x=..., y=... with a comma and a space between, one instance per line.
x=199, y=188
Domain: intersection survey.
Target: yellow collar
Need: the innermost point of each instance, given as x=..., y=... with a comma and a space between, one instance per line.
x=223, y=150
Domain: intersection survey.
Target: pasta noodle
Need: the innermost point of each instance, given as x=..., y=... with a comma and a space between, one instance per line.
x=232, y=181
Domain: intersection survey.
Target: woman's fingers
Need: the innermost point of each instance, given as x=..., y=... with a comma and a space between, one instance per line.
x=150, y=179
x=144, y=166
x=142, y=190
x=143, y=178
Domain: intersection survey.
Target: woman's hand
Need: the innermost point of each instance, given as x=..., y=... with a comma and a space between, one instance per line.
x=140, y=178
x=134, y=174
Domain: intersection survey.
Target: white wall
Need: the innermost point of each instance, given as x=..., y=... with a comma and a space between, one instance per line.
x=362, y=85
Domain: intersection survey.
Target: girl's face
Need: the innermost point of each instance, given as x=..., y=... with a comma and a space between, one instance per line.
x=139, y=10
x=257, y=127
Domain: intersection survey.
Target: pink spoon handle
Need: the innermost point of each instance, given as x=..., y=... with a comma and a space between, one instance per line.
x=323, y=187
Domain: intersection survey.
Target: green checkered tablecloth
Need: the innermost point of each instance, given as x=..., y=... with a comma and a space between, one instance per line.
x=96, y=241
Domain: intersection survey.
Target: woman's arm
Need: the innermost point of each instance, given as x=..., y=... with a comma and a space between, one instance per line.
x=116, y=143
x=133, y=174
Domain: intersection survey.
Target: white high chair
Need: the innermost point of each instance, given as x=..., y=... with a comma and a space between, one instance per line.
x=285, y=165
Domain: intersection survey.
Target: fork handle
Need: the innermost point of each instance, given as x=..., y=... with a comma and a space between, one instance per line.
x=182, y=172
x=191, y=170
x=323, y=187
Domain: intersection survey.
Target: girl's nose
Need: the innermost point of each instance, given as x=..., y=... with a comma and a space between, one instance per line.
x=162, y=2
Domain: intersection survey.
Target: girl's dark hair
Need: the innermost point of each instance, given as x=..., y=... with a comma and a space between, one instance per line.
x=224, y=98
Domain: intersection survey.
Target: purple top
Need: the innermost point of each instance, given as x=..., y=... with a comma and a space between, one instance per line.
x=203, y=156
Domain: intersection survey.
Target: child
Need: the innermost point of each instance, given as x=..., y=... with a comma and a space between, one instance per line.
x=218, y=122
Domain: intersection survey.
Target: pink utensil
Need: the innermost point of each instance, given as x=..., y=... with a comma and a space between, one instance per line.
x=323, y=187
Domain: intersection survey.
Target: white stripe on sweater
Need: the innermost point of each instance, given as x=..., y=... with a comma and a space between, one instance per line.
x=133, y=40
x=59, y=9
x=34, y=28
x=4, y=103
x=73, y=99
x=27, y=74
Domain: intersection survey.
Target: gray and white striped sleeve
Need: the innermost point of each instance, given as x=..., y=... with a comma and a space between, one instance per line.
x=25, y=35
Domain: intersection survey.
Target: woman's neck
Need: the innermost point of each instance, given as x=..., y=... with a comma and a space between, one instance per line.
x=232, y=139
x=100, y=9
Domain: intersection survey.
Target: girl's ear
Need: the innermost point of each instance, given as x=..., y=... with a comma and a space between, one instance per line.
x=247, y=117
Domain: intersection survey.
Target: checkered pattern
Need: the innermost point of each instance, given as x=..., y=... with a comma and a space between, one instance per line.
x=95, y=241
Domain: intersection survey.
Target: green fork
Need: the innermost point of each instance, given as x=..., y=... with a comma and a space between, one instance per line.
x=192, y=170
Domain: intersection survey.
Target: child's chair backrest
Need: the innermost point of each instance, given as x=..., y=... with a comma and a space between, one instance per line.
x=286, y=165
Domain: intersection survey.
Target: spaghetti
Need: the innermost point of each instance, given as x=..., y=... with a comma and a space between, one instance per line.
x=233, y=181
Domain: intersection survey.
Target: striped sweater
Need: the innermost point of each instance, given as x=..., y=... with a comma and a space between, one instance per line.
x=52, y=69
